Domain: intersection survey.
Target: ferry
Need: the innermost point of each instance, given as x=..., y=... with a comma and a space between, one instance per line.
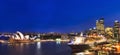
x=78, y=45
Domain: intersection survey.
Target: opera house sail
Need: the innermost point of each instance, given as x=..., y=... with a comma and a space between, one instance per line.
x=20, y=37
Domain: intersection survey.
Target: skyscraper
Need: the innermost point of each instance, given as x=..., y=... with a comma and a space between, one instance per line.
x=109, y=32
x=100, y=26
x=116, y=30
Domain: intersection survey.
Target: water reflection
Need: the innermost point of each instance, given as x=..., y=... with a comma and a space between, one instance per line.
x=58, y=42
x=38, y=45
x=37, y=48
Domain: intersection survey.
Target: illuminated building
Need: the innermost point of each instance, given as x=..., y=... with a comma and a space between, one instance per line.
x=116, y=30
x=109, y=32
x=64, y=37
x=100, y=26
x=20, y=36
x=92, y=31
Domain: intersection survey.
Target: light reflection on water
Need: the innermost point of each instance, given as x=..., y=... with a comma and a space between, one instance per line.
x=38, y=45
x=38, y=48
x=58, y=42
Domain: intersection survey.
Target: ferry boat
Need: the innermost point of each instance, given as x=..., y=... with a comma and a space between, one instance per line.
x=78, y=45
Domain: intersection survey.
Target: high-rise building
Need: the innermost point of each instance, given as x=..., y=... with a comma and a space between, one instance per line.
x=109, y=32
x=100, y=26
x=116, y=30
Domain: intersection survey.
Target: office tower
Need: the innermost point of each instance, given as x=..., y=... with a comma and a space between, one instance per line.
x=100, y=26
x=109, y=32
x=116, y=30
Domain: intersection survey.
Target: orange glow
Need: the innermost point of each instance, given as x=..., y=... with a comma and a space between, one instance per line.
x=117, y=46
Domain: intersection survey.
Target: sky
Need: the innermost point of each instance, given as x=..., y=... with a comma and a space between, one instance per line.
x=56, y=15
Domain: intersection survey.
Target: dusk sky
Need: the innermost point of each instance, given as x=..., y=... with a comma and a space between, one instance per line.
x=56, y=15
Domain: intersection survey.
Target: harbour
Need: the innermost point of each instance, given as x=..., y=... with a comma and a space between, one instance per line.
x=36, y=48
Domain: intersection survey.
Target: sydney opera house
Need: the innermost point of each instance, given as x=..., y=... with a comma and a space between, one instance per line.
x=20, y=37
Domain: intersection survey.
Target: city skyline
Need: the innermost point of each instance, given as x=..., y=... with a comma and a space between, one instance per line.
x=56, y=16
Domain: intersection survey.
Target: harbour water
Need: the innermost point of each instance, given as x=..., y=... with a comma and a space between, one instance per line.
x=37, y=48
